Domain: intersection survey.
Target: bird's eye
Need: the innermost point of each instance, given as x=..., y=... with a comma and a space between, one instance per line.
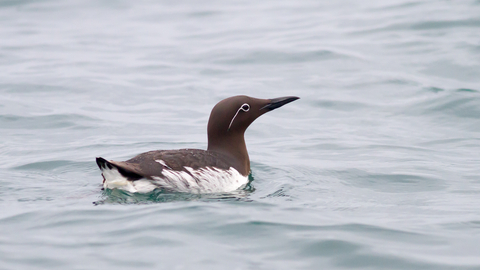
x=245, y=107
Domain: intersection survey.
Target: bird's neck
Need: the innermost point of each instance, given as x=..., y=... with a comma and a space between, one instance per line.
x=235, y=148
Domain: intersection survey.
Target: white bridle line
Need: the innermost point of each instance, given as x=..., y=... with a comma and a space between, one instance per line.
x=241, y=108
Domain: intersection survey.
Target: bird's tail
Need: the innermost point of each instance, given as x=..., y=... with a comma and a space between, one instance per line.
x=106, y=165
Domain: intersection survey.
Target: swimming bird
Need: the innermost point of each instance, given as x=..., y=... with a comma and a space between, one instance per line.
x=223, y=167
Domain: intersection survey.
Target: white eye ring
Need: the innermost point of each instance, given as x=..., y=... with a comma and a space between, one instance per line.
x=245, y=107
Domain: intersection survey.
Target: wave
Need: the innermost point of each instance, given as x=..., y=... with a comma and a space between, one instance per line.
x=52, y=121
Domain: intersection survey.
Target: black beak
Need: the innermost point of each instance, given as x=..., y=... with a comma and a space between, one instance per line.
x=278, y=102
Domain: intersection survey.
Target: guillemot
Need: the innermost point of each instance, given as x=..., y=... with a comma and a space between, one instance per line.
x=223, y=167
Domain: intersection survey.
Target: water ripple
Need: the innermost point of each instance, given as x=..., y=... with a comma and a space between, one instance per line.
x=56, y=121
x=375, y=167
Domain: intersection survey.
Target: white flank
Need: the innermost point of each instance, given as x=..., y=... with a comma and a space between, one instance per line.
x=204, y=180
x=113, y=179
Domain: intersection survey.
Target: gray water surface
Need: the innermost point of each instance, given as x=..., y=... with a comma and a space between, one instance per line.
x=375, y=167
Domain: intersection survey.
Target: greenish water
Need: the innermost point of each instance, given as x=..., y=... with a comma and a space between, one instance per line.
x=375, y=167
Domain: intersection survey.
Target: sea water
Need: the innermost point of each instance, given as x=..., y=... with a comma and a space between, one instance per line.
x=377, y=166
